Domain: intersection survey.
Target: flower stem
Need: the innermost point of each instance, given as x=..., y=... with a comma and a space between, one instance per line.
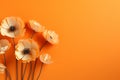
x=21, y=70
x=36, y=60
x=5, y=65
x=16, y=60
x=16, y=69
x=34, y=69
x=24, y=71
x=43, y=45
x=8, y=74
x=30, y=71
x=32, y=34
x=40, y=71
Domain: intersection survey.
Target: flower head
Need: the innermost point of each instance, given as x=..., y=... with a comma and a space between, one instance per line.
x=26, y=50
x=12, y=27
x=45, y=58
x=51, y=36
x=4, y=45
x=37, y=27
x=2, y=68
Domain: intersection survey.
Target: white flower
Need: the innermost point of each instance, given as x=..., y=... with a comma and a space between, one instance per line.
x=12, y=27
x=2, y=68
x=4, y=46
x=37, y=27
x=26, y=50
x=51, y=36
x=45, y=58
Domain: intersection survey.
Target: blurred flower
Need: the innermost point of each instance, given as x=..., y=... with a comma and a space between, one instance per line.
x=37, y=27
x=51, y=36
x=26, y=50
x=45, y=58
x=12, y=27
x=4, y=45
x=2, y=68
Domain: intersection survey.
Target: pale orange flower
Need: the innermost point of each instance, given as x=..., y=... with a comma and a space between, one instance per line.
x=26, y=50
x=4, y=45
x=45, y=58
x=12, y=27
x=51, y=36
x=36, y=26
x=2, y=68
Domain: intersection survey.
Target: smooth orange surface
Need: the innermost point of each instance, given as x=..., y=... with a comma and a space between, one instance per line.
x=89, y=31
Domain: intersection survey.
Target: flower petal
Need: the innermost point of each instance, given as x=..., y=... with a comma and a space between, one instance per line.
x=19, y=54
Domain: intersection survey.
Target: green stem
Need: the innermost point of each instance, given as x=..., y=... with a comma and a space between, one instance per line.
x=40, y=71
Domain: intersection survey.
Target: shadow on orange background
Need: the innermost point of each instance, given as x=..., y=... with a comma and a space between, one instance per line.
x=89, y=33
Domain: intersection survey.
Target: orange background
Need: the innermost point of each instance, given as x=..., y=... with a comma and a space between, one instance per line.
x=89, y=31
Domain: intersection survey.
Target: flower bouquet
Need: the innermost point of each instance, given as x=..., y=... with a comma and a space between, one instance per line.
x=26, y=50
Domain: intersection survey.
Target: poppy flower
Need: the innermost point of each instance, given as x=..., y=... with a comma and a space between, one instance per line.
x=26, y=50
x=45, y=58
x=51, y=36
x=36, y=26
x=4, y=45
x=12, y=27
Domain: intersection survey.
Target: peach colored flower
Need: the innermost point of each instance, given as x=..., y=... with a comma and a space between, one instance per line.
x=4, y=45
x=12, y=27
x=37, y=27
x=45, y=58
x=26, y=50
x=2, y=68
x=51, y=36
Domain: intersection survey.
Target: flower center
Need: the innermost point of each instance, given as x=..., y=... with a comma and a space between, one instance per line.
x=26, y=51
x=12, y=28
x=51, y=37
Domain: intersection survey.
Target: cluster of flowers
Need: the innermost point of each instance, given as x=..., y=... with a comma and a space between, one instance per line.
x=26, y=50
